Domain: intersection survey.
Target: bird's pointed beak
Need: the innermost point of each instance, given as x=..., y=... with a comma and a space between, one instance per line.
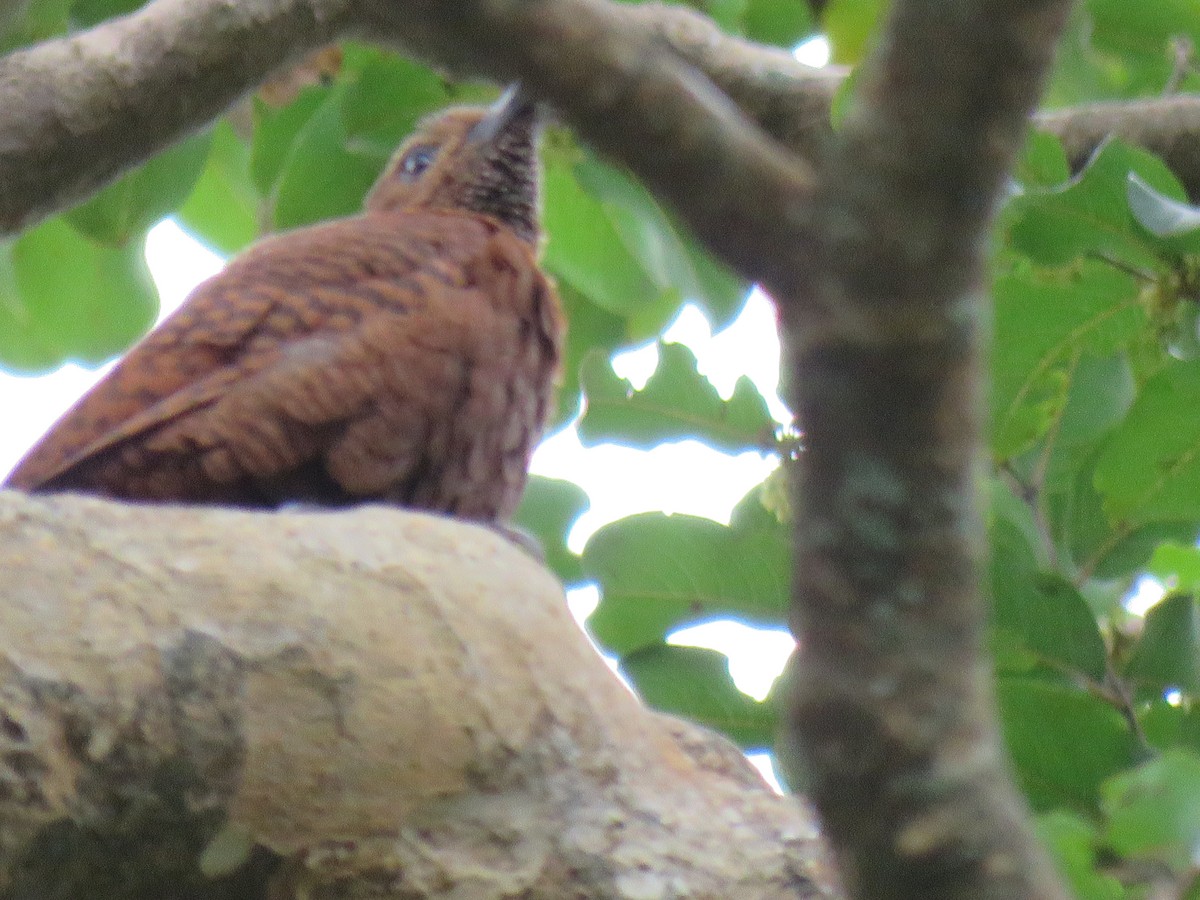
x=514, y=108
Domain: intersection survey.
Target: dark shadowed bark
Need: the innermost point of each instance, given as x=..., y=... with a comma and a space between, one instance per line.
x=892, y=705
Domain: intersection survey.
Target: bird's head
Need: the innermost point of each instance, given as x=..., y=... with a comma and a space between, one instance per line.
x=474, y=158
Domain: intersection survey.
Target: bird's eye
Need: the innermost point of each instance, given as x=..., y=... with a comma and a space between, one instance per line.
x=416, y=161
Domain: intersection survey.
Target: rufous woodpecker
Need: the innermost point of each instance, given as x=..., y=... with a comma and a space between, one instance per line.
x=406, y=355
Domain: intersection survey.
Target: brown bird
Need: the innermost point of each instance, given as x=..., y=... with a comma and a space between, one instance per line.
x=405, y=355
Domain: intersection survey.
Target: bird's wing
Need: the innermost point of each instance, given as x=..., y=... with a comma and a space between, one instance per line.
x=283, y=312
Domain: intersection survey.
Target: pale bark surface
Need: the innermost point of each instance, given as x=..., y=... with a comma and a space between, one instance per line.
x=201, y=703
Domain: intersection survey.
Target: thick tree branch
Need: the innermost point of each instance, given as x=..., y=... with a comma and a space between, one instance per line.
x=610, y=78
x=208, y=703
x=788, y=99
x=82, y=109
x=892, y=701
x=171, y=67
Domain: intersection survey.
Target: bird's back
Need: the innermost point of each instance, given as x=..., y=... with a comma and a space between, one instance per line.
x=400, y=356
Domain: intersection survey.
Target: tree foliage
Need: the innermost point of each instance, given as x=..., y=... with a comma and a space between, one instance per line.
x=1095, y=389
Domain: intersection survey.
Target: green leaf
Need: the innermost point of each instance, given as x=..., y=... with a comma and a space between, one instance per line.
x=694, y=682
x=321, y=177
x=1151, y=27
x=1079, y=73
x=596, y=214
x=759, y=510
x=584, y=248
x=222, y=210
x=386, y=97
x=1075, y=844
x=1091, y=215
x=63, y=297
x=1044, y=162
x=845, y=98
x=676, y=403
x=1168, y=653
x=86, y=13
x=1171, y=724
x=1043, y=615
x=849, y=25
x=1100, y=392
x=719, y=292
x=1177, y=565
x=139, y=199
x=1006, y=508
x=1102, y=546
x=1043, y=321
x=590, y=329
x=276, y=131
x=33, y=21
x=548, y=509
x=658, y=572
x=1135, y=38
x=783, y=23
x=1154, y=811
x=726, y=13
x=1149, y=468
x=1100, y=395
x=1063, y=742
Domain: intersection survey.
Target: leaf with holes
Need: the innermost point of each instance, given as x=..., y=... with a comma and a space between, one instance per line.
x=658, y=572
x=694, y=682
x=677, y=403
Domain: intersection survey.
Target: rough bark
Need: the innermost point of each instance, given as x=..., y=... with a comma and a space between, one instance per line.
x=83, y=109
x=892, y=705
x=200, y=703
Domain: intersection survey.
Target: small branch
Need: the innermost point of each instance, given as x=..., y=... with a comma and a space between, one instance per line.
x=375, y=703
x=1166, y=126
